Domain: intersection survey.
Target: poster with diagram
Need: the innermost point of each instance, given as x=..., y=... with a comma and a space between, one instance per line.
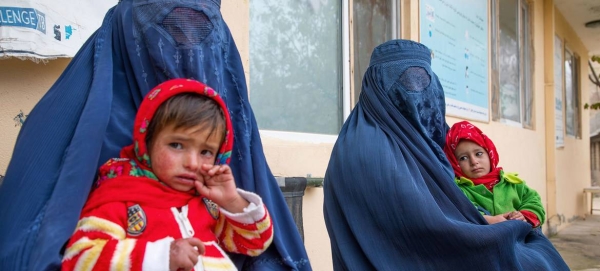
x=45, y=29
x=458, y=40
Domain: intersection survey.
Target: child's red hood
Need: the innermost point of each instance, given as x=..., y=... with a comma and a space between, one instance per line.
x=134, y=159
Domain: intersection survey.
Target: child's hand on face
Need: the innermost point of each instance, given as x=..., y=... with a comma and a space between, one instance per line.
x=184, y=253
x=219, y=186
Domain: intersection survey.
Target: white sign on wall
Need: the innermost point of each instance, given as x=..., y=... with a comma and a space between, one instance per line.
x=458, y=39
x=45, y=29
x=558, y=93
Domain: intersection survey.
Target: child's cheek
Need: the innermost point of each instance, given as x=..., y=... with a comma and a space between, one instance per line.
x=169, y=162
x=163, y=162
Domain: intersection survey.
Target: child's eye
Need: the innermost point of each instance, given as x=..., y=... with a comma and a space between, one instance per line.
x=175, y=145
x=206, y=153
x=462, y=158
x=479, y=153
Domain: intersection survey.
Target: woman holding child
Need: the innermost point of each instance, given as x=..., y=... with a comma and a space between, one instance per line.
x=390, y=199
x=87, y=117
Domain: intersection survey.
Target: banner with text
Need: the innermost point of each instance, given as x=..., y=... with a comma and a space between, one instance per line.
x=458, y=40
x=48, y=29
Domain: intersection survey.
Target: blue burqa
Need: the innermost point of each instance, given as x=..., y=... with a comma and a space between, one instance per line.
x=390, y=199
x=87, y=117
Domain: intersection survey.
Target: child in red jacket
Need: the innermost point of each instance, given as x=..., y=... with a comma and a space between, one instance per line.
x=170, y=201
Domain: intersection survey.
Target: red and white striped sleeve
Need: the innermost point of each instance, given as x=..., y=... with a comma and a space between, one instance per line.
x=249, y=233
x=100, y=242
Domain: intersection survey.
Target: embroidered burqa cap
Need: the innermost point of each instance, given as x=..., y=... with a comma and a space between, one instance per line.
x=87, y=115
x=390, y=199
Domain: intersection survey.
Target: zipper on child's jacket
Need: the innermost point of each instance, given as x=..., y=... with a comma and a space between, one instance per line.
x=184, y=223
x=186, y=229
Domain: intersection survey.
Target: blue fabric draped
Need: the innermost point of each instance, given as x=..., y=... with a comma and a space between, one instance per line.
x=87, y=115
x=390, y=200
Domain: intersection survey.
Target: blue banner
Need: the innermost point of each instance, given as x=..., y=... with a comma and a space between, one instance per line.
x=23, y=17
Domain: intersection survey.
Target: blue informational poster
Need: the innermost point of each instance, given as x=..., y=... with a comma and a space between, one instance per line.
x=456, y=31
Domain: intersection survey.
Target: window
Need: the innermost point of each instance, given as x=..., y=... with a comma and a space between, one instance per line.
x=512, y=63
x=573, y=119
x=300, y=55
x=296, y=65
x=374, y=22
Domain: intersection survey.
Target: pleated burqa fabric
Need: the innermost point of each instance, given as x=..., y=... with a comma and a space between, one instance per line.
x=390, y=199
x=87, y=117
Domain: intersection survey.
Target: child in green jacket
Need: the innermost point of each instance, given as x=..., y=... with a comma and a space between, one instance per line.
x=475, y=162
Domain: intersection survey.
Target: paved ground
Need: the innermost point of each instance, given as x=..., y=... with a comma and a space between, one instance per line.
x=579, y=243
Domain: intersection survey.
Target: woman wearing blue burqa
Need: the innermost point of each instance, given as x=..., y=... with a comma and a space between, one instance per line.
x=87, y=117
x=390, y=199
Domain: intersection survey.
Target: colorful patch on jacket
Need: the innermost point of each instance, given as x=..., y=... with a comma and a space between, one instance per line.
x=213, y=208
x=136, y=220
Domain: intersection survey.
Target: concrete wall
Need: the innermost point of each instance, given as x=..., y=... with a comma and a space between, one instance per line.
x=288, y=156
x=22, y=84
x=573, y=161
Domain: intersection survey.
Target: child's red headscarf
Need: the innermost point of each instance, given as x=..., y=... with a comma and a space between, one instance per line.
x=157, y=97
x=130, y=177
x=464, y=130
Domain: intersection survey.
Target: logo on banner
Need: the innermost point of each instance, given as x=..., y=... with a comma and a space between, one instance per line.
x=23, y=17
